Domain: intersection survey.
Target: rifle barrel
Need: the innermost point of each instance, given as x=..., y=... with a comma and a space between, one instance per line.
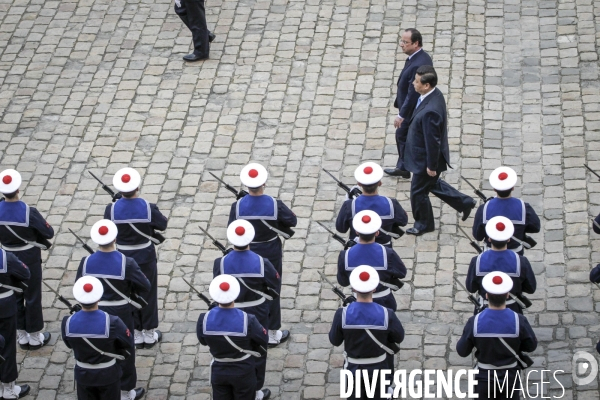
x=591, y=170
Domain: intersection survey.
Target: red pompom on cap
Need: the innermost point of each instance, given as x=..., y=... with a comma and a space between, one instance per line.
x=88, y=287
x=368, y=170
x=240, y=231
x=224, y=286
x=253, y=173
x=500, y=226
x=497, y=280
x=366, y=219
x=7, y=179
x=364, y=276
x=502, y=176
x=103, y=230
x=125, y=178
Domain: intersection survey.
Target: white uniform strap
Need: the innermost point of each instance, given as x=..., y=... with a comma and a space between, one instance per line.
x=277, y=231
x=133, y=303
x=523, y=364
x=150, y=238
x=392, y=234
x=116, y=356
x=34, y=244
x=384, y=347
x=258, y=292
x=16, y=289
x=238, y=348
x=389, y=285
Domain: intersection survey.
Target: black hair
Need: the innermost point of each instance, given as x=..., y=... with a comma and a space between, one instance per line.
x=496, y=300
x=428, y=75
x=129, y=195
x=499, y=243
x=370, y=189
x=367, y=238
x=504, y=193
x=11, y=196
x=88, y=306
x=240, y=247
x=415, y=36
x=226, y=305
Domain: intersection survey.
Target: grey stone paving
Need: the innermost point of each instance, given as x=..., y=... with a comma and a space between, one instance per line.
x=300, y=85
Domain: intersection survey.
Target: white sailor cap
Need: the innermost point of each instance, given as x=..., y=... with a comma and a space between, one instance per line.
x=240, y=233
x=10, y=180
x=503, y=178
x=88, y=290
x=364, y=279
x=500, y=228
x=254, y=175
x=366, y=222
x=104, y=232
x=127, y=180
x=368, y=173
x=224, y=289
x=497, y=283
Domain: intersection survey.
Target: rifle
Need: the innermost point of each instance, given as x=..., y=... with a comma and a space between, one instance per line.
x=218, y=244
x=115, y=196
x=202, y=297
x=472, y=242
x=346, y=243
x=85, y=246
x=72, y=308
x=591, y=170
x=471, y=298
x=238, y=195
x=351, y=192
x=477, y=191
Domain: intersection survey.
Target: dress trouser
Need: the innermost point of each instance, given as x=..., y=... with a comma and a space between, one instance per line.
x=232, y=387
x=29, y=303
x=485, y=384
x=8, y=329
x=147, y=317
x=129, y=377
x=401, y=134
x=108, y=392
x=273, y=251
x=420, y=187
x=261, y=312
x=193, y=15
x=370, y=368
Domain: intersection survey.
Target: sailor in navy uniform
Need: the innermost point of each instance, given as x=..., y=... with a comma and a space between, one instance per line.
x=24, y=232
x=98, y=340
x=258, y=278
x=522, y=215
x=236, y=340
x=499, y=336
x=12, y=272
x=120, y=277
x=270, y=218
x=383, y=259
x=499, y=231
x=368, y=330
x=368, y=176
x=137, y=220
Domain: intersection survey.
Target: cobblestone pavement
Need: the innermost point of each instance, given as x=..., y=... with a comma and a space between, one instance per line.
x=300, y=85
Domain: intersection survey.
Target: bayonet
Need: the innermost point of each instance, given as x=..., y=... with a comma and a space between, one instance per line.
x=115, y=196
x=346, y=243
x=238, y=194
x=218, y=244
x=72, y=308
x=85, y=246
x=351, y=192
x=472, y=242
x=202, y=297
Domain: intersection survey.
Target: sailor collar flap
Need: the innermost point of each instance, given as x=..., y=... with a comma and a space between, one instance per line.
x=125, y=211
x=373, y=254
x=243, y=264
x=109, y=265
x=506, y=261
x=225, y=322
x=256, y=207
x=511, y=208
x=89, y=324
x=14, y=213
x=380, y=204
x=365, y=316
x=496, y=323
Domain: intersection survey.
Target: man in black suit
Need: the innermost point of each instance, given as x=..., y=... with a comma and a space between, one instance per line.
x=193, y=15
x=427, y=154
x=406, y=97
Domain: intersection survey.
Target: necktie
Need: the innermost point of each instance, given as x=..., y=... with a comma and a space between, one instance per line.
x=419, y=102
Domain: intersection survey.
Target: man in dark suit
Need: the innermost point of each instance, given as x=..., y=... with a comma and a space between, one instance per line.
x=427, y=154
x=406, y=97
x=193, y=15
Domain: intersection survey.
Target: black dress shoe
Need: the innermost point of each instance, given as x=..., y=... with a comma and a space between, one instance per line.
x=25, y=389
x=139, y=393
x=397, y=172
x=45, y=342
x=211, y=37
x=467, y=212
x=285, y=335
x=195, y=57
x=266, y=394
x=416, y=232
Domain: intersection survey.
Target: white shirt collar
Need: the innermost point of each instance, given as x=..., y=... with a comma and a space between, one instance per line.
x=425, y=95
x=411, y=56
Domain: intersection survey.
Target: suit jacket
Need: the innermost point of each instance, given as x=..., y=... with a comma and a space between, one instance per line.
x=427, y=141
x=406, y=97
